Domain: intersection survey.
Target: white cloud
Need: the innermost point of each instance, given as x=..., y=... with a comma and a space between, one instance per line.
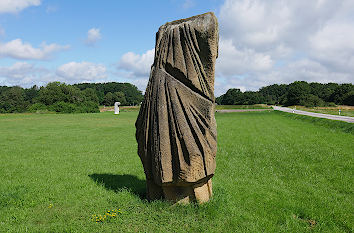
x=140, y=83
x=15, y=6
x=21, y=73
x=254, y=23
x=234, y=61
x=137, y=65
x=275, y=41
x=22, y=50
x=93, y=35
x=81, y=72
x=333, y=45
x=261, y=43
x=17, y=70
x=26, y=74
x=306, y=70
x=264, y=24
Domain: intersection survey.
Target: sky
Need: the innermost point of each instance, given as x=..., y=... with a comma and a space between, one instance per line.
x=261, y=42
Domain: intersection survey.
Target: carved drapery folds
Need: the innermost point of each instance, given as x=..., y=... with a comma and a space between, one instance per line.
x=176, y=128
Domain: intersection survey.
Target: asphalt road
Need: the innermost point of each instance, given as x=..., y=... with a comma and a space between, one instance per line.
x=313, y=114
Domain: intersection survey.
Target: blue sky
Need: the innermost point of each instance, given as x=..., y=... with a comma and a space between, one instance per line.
x=124, y=26
x=261, y=42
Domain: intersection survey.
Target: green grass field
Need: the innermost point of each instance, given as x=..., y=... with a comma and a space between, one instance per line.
x=274, y=174
x=254, y=106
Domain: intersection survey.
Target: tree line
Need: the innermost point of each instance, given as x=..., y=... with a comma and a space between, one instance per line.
x=86, y=97
x=296, y=93
x=61, y=97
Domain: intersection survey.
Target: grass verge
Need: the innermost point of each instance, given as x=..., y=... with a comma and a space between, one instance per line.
x=330, y=124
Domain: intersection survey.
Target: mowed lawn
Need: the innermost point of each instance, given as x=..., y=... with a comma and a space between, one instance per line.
x=274, y=174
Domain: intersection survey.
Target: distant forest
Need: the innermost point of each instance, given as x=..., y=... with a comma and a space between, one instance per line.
x=61, y=97
x=296, y=93
x=86, y=97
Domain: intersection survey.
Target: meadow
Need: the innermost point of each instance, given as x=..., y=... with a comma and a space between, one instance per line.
x=275, y=173
x=253, y=106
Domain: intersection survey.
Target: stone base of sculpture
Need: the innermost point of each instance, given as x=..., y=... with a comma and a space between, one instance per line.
x=200, y=192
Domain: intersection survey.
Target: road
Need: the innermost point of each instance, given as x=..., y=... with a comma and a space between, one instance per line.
x=313, y=114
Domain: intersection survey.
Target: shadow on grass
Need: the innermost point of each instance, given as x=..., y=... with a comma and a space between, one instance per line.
x=119, y=182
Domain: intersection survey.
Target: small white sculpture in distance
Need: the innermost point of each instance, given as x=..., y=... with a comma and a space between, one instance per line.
x=116, y=107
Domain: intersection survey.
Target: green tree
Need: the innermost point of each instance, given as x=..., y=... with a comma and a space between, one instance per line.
x=120, y=97
x=60, y=97
x=348, y=99
x=252, y=97
x=13, y=100
x=31, y=94
x=274, y=94
x=52, y=93
x=132, y=95
x=297, y=91
x=109, y=99
x=340, y=93
x=310, y=100
x=232, y=96
x=328, y=92
x=90, y=95
x=3, y=88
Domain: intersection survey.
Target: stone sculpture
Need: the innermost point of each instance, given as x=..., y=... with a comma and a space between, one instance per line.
x=116, y=107
x=176, y=128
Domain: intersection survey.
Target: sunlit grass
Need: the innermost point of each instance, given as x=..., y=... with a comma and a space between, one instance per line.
x=274, y=174
x=254, y=106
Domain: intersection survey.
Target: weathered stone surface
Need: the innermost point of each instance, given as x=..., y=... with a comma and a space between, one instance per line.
x=176, y=128
x=116, y=107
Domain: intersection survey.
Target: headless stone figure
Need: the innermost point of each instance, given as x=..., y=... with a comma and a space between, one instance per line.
x=176, y=128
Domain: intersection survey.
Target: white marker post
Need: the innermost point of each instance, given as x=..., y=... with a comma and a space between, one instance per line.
x=116, y=107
